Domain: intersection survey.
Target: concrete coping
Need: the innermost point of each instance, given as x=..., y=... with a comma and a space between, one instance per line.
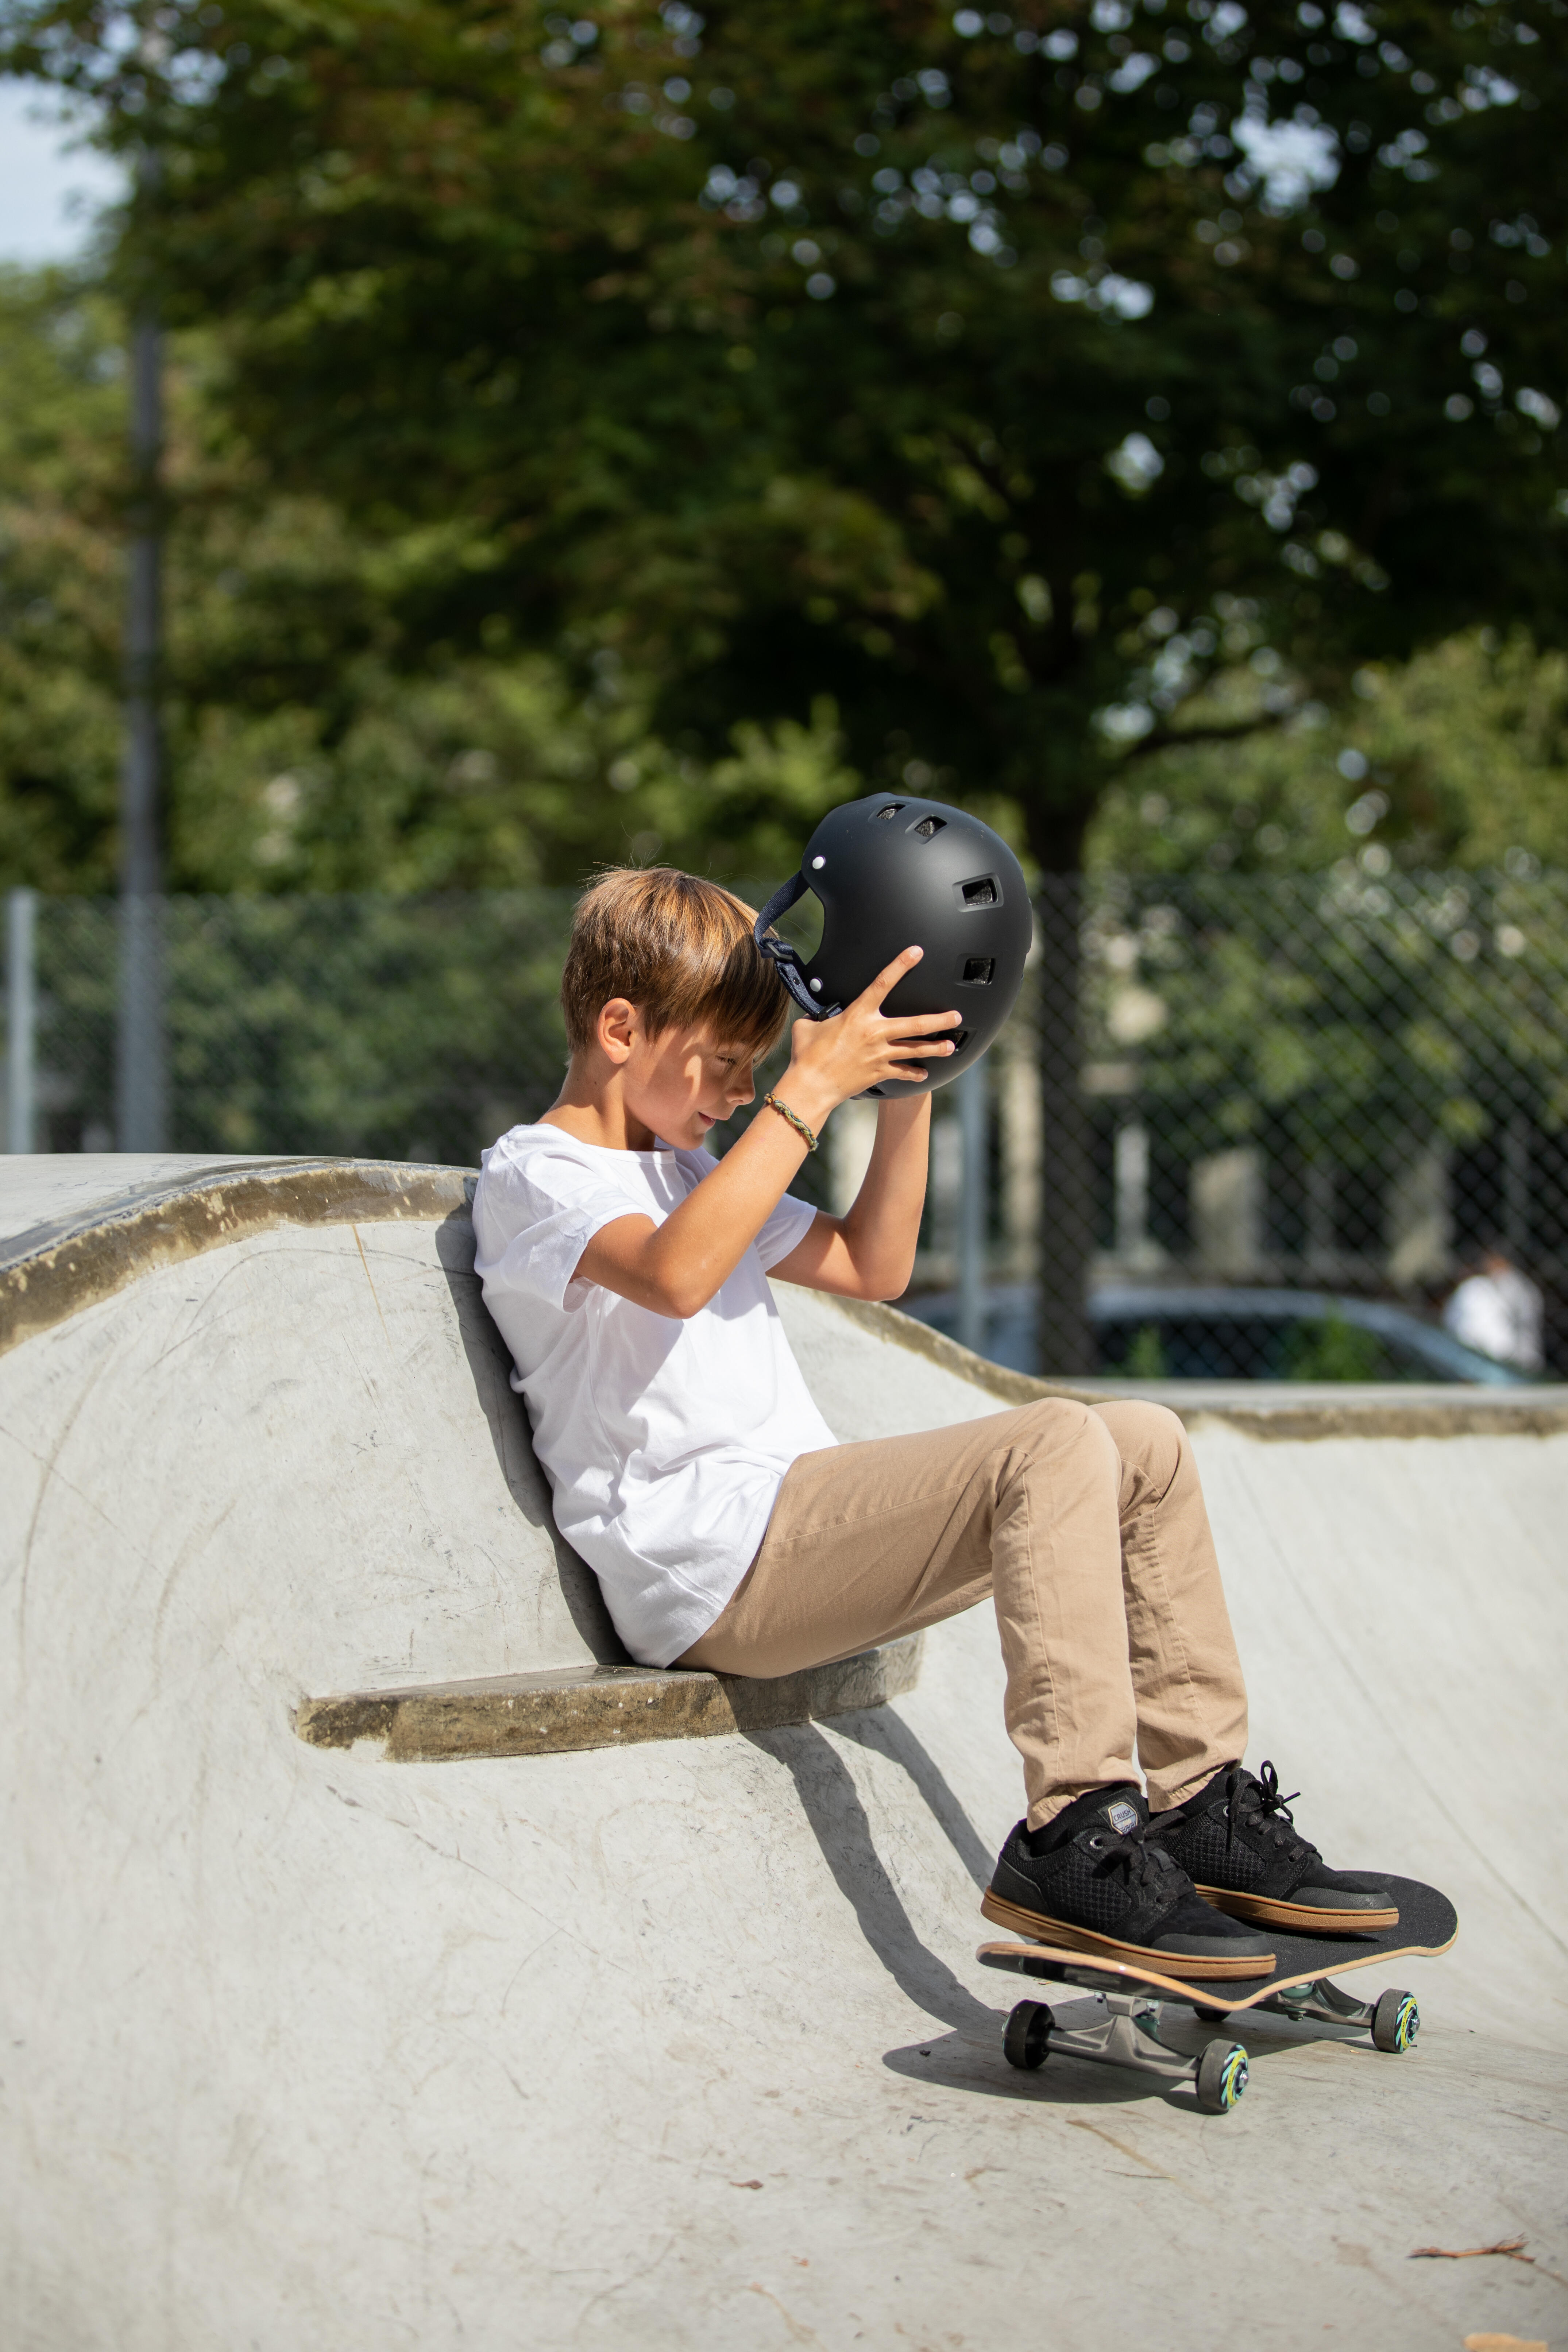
x=570, y=1707
x=53, y=1270
x=1263, y=1409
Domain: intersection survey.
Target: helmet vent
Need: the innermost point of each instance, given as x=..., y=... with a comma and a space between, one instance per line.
x=960, y=1040
x=928, y=827
x=979, y=972
x=981, y=892
x=892, y=810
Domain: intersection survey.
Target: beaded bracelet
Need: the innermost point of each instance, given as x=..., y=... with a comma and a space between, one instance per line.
x=772, y=1102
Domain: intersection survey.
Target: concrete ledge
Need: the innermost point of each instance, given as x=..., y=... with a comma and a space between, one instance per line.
x=1385, y=1411
x=52, y=1271
x=1265, y=1409
x=570, y=1707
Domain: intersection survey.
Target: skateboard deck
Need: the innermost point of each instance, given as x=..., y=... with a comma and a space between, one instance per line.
x=1297, y=1987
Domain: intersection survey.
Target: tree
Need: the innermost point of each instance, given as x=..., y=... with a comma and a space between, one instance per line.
x=1458, y=758
x=976, y=458
x=312, y=748
x=1042, y=391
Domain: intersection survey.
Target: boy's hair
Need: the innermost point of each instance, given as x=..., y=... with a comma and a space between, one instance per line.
x=680, y=949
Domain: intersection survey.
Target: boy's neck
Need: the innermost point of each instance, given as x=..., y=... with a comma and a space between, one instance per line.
x=592, y=1106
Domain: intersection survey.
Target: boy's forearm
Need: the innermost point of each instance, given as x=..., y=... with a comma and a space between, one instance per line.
x=698, y=1247
x=882, y=1227
x=677, y=1267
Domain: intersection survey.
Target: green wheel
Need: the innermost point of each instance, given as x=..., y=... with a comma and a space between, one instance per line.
x=1222, y=2077
x=1029, y=2033
x=1395, y=2022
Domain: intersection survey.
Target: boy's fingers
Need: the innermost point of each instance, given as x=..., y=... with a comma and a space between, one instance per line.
x=921, y=1024
x=887, y=981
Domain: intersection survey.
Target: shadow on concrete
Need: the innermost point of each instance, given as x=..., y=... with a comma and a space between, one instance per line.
x=489, y=1364
x=967, y=2056
x=832, y=1806
x=885, y=1733
x=953, y=2062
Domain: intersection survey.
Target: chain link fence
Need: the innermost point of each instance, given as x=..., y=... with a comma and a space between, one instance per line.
x=1232, y=1113
x=1235, y=1127
x=399, y=1030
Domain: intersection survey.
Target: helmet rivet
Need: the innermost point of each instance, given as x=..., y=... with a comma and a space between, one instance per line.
x=816, y=985
x=818, y=861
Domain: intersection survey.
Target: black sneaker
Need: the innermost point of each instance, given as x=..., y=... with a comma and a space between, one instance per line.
x=1092, y=1882
x=1237, y=1843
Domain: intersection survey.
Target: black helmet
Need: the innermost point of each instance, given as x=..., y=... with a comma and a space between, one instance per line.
x=893, y=872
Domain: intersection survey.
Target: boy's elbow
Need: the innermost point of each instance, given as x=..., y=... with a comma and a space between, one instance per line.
x=680, y=1301
x=888, y=1281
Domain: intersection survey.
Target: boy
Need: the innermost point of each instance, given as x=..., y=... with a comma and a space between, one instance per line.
x=627, y=1272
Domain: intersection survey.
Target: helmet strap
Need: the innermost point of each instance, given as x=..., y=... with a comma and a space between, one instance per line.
x=791, y=971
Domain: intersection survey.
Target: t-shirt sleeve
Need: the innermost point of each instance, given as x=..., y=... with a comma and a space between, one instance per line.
x=534, y=1218
x=787, y=1225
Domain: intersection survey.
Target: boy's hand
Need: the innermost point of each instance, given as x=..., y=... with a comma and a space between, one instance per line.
x=675, y=1268
x=832, y=1060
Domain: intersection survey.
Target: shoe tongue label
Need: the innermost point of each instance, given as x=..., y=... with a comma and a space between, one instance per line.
x=1123, y=1817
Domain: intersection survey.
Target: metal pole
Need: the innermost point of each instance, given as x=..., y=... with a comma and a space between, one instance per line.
x=1516, y=1187
x=21, y=1021
x=142, y=1080
x=972, y=1205
x=1130, y=1164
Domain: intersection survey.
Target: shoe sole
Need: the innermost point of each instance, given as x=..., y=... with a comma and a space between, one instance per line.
x=1039, y=1928
x=1298, y=1919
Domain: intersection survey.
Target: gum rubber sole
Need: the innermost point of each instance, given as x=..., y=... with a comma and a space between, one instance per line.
x=1299, y=1919
x=1039, y=1928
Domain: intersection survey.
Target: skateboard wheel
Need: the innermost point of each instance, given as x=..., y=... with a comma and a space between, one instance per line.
x=1210, y=2016
x=1395, y=2022
x=1027, y=2034
x=1222, y=2077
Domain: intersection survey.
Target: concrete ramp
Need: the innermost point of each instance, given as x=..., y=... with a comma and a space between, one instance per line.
x=681, y=2044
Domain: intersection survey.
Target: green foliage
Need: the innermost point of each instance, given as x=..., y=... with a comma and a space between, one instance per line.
x=352, y=1025
x=1457, y=758
x=1332, y=1022
x=312, y=746
x=1010, y=367
x=61, y=423
x=1146, y=1358
x=1334, y=1349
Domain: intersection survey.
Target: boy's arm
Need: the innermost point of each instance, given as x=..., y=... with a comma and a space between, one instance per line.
x=870, y=1252
x=677, y=1267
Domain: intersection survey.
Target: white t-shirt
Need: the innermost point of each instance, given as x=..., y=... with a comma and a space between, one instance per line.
x=1502, y=1314
x=665, y=1441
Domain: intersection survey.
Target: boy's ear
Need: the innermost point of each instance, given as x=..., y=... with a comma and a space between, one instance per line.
x=617, y=1025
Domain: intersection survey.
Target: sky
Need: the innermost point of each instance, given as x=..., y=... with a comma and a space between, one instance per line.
x=48, y=195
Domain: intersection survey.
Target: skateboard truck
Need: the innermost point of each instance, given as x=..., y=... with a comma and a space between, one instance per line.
x=1127, y=2035
x=1393, y=2019
x=1127, y=2032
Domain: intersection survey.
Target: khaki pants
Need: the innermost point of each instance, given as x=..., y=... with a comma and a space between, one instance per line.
x=1085, y=1523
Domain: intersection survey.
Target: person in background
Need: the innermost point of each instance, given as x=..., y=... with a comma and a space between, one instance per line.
x=1499, y=1310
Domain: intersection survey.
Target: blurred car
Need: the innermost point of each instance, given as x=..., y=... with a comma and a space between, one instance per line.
x=1218, y=1333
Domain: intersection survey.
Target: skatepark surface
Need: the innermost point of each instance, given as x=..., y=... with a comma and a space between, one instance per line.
x=684, y=2044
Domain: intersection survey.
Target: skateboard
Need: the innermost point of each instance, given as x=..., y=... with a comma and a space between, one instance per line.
x=1297, y=1988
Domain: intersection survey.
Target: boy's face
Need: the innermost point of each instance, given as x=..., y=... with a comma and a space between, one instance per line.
x=682, y=1083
